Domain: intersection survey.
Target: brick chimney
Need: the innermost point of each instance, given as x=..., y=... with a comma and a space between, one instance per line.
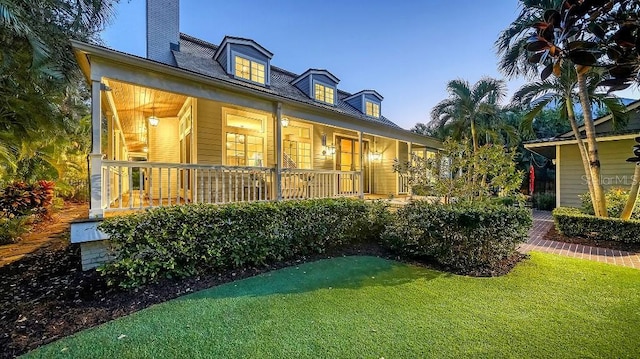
x=163, y=30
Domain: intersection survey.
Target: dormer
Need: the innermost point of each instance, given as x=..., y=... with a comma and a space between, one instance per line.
x=367, y=101
x=319, y=85
x=244, y=59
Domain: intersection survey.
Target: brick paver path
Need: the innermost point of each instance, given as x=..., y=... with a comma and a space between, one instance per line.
x=543, y=221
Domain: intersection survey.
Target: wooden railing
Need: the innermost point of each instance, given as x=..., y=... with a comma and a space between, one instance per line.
x=403, y=184
x=128, y=186
x=301, y=184
x=137, y=185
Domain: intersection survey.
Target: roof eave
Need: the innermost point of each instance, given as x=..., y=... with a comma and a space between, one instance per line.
x=84, y=50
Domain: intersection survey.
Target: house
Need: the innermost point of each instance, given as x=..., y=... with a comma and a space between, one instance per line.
x=197, y=122
x=614, y=147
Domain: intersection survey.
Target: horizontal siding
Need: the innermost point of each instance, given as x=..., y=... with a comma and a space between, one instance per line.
x=325, y=79
x=209, y=132
x=223, y=61
x=249, y=51
x=615, y=171
x=164, y=146
x=356, y=102
x=304, y=85
x=384, y=179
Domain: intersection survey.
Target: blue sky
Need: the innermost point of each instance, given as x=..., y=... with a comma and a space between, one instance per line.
x=406, y=50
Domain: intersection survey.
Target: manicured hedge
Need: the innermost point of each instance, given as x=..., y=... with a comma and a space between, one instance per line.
x=462, y=237
x=573, y=222
x=185, y=240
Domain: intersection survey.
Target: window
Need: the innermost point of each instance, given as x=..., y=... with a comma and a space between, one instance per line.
x=296, y=145
x=324, y=93
x=244, y=138
x=372, y=109
x=244, y=150
x=249, y=70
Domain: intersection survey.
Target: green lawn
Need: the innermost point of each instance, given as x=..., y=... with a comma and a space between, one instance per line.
x=366, y=307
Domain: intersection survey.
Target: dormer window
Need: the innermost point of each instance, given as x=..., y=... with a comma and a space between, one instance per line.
x=249, y=69
x=324, y=93
x=372, y=109
x=367, y=102
x=319, y=85
x=245, y=60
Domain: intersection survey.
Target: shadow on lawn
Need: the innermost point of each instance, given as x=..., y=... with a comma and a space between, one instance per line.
x=337, y=273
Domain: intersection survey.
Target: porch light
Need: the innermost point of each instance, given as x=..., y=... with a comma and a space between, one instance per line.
x=376, y=156
x=284, y=121
x=153, y=121
x=145, y=149
x=330, y=150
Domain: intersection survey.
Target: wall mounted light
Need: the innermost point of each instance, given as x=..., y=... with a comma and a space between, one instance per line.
x=145, y=149
x=284, y=122
x=375, y=155
x=327, y=150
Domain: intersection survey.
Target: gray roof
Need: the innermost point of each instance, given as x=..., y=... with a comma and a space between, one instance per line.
x=196, y=55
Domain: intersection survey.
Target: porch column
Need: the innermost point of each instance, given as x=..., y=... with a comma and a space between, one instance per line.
x=361, y=194
x=410, y=162
x=95, y=158
x=278, y=147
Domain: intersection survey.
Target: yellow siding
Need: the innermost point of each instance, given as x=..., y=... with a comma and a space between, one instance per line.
x=209, y=132
x=384, y=179
x=616, y=172
x=164, y=146
x=210, y=137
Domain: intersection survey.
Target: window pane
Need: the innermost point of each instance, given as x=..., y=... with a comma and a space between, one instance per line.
x=319, y=89
x=257, y=72
x=249, y=123
x=329, y=95
x=243, y=69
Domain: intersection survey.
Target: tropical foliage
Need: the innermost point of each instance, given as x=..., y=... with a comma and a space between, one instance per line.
x=568, y=38
x=461, y=173
x=470, y=111
x=43, y=99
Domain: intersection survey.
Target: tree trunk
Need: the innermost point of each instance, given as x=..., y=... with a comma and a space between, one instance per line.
x=633, y=195
x=583, y=150
x=598, y=198
x=474, y=136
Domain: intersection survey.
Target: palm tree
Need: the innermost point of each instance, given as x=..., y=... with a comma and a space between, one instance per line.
x=515, y=60
x=467, y=106
x=562, y=90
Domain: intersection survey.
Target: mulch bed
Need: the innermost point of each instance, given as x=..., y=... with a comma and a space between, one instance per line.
x=554, y=235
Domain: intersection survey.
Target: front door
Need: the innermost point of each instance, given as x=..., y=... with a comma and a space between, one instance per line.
x=348, y=159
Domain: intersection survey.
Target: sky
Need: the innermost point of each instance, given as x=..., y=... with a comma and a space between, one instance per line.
x=406, y=50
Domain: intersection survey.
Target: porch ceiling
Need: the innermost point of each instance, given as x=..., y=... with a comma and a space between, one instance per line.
x=133, y=106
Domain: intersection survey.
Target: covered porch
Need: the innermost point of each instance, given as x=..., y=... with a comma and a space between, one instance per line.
x=157, y=147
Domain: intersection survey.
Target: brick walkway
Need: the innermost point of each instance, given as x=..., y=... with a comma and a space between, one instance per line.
x=543, y=221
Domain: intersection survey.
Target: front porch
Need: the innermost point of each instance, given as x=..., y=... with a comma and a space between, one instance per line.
x=162, y=148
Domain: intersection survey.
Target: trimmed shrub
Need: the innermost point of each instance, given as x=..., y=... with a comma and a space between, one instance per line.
x=544, y=201
x=616, y=198
x=185, y=240
x=574, y=223
x=463, y=237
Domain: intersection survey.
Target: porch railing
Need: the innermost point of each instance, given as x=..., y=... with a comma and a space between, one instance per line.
x=301, y=184
x=130, y=186
x=403, y=184
x=137, y=185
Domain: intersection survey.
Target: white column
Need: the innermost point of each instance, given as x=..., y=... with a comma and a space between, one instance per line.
x=410, y=163
x=361, y=164
x=278, y=138
x=95, y=158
